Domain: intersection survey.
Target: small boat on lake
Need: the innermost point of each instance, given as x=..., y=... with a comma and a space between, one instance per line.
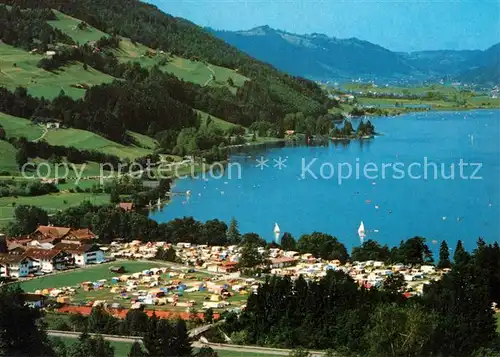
x=277, y=232
x=361, y=231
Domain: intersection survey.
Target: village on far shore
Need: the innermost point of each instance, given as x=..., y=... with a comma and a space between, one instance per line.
x=67, y=267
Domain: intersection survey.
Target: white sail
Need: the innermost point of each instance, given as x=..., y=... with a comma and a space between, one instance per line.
x=361, y=230
x=276, y=228
x=277, y=232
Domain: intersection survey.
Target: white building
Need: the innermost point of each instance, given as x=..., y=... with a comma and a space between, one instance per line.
x=48, y=260
x=83, y=254
x=16, y=266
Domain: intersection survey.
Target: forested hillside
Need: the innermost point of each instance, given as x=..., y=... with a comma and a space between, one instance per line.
x=321, y=57
x=317, y=56
x=485, y=67
x=146, y=24
x=157, y=71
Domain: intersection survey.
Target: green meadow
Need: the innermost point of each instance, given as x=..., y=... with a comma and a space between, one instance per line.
x=51, y=203
x=198, y=72
x=91, y=273
x=86, y=140
x=8, y=157
x=436, y=88
x=19, y=68
x=218, y=122
x=18, y=127
x=77, y=138
x=142, y=140
x=69, y=26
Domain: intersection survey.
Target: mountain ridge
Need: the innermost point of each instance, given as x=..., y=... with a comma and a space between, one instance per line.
x=321, y=57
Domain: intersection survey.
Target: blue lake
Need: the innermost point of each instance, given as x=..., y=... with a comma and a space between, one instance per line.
x=392, y=208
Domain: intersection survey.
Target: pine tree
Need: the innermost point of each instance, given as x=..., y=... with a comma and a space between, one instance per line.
x=233, y=234
x=167, y=342
x=288, y=242
x=207, y=352
x=136, y=350
x=20, y=335
x=182, y=343
x=102, y=348
x=21, y=156
x=3, y=245
x=461, y=257
x=209, y=316
x=114, y=196
x=151, y=337
x=444, y=256
x=98, y=320
x=170, y=255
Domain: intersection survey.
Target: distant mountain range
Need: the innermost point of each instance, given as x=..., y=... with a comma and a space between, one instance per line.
x=320, y=57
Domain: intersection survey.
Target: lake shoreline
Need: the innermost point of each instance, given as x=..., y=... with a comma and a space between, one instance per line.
x=265, y=195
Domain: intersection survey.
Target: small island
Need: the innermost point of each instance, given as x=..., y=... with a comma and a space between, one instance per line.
x=347, y=132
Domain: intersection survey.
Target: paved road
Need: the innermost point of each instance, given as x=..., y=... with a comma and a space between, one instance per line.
x=114, y=338
x=196, y=344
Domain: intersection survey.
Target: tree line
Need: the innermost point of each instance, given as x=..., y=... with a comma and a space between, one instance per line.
x=29, y=28
x=32, y=149
x=453, y=317
x=162, y=104
x=109, y=222
x=268, y=89
x=160, y=336
x=15, y=188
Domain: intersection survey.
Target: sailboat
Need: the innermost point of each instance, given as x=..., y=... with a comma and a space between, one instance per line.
x=361, y=231
x=277, y=232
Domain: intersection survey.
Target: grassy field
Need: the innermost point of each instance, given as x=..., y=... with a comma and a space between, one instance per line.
x=69, y=26
x=123, y=348
x=45, y=169
x=98, y=272
x=51, y=203
x=470, y=103
x=17, y=127
x=19, y=68
x=486, y=101
x=86, y=140
x=198, y=297
x=220, y=123
x=92, y=273
x=80, y=139
x=50, y=171
x=8, y=157
x=143, y=141
x=192, y=71
x=436, y=88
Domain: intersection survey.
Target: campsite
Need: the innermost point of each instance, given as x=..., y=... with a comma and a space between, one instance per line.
x=139, y=284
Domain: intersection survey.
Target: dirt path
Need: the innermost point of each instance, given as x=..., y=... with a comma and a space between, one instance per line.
x=211, y=77
x=45, y=131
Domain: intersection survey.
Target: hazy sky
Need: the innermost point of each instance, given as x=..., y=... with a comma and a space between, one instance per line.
x=400, y=25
